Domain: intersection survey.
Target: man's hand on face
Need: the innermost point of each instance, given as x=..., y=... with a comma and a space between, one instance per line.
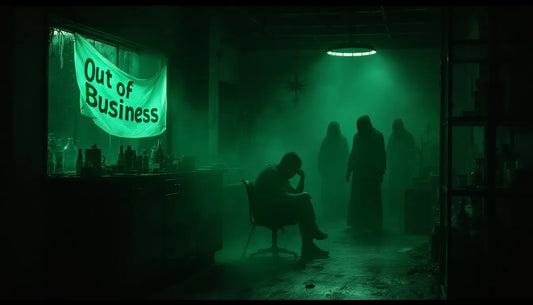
x=300, y=173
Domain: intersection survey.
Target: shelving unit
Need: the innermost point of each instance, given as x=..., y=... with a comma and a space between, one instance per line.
x=477, y=245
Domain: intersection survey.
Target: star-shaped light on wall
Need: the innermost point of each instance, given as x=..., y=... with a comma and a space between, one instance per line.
x=295, y=85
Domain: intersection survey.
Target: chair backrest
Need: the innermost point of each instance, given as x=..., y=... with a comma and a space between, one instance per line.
x=249, y=191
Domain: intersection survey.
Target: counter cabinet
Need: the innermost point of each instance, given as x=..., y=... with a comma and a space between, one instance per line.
x=121, y=230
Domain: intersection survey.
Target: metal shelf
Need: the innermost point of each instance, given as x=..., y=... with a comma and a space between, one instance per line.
x=513, y=122
x=513, y=192
x=468, y=121
x=503, y=60
x=481, y=121
x=469, y=61
x=482, y=192
x=469, y=42
x=496, y=51
x=458, y=191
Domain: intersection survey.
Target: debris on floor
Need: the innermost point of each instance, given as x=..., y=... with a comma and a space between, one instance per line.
x=403, y=250
x=424, y=268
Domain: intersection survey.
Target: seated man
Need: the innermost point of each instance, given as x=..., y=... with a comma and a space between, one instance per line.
x=278, y=201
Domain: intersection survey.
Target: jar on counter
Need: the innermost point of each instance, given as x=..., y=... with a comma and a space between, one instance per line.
x=477, y=176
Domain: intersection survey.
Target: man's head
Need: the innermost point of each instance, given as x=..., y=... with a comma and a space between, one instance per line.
x=334, y=130
x=397, y=125
x=289, y=164
x=364, y=125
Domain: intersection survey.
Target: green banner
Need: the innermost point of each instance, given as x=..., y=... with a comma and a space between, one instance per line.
x=119, y=103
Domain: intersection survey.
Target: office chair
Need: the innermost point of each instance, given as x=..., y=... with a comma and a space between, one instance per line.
x=274, y=227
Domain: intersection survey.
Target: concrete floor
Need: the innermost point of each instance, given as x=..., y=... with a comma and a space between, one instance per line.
x=391, y=267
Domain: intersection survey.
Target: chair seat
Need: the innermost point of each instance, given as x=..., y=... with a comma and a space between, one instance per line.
x=274, y=226
x=273, y=223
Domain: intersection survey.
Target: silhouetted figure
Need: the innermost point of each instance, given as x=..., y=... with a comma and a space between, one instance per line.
x=278, y=200
x=401, y=155
x=366, y=166
x=332, y=159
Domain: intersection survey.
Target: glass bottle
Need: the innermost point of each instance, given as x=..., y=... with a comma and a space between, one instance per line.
x=145, y=162
x=477, y=175
x=70, y=155
x=51, y=162
x=519, y=165
x=160, y=154
x=121, y=158
x=128, y=158
x=152, y=154
x=157, y=156
x=52, y=158
x=139, y=163
x=79, y=162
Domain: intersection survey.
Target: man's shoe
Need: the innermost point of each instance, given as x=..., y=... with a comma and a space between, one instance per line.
x=313, y=252
x=320, y=235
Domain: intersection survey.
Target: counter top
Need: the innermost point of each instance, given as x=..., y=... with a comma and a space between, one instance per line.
x=135, y=174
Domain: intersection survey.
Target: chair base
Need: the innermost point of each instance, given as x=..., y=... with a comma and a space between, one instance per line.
x=275, y=252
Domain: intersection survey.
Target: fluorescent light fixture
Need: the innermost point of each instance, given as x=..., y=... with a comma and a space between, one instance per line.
x=353, y=50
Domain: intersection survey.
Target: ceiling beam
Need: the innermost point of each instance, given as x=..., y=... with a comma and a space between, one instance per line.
x=382, y=43
x=385, y=20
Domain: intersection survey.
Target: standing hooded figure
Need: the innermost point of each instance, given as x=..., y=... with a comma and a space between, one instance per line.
x=332, y=159
x=366, y=166
x=401, y=154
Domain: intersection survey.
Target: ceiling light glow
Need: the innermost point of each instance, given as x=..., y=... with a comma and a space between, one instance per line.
x=357, y=50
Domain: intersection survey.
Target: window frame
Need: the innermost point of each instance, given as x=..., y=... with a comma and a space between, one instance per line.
x=118, y=43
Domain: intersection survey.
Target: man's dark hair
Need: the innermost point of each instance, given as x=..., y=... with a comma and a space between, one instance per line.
x=397, y=125
x=291, y=159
